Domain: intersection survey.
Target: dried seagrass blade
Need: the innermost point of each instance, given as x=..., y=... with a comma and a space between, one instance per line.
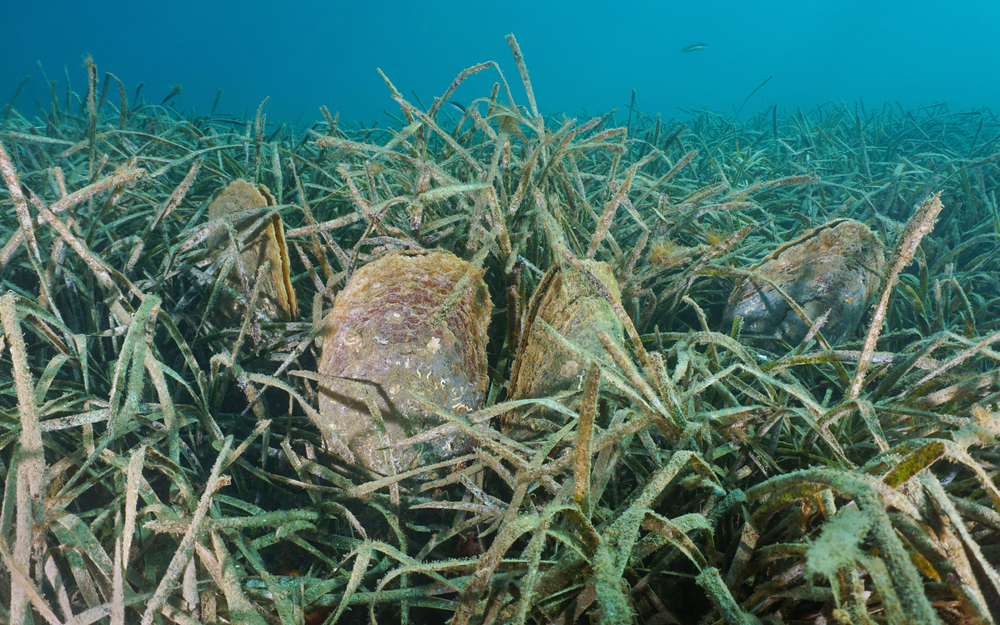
x=397, y=333
x=277, y=300
x=565, y=305
x=834, y=268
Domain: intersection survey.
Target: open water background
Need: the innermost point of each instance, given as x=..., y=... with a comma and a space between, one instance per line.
x=584, y=57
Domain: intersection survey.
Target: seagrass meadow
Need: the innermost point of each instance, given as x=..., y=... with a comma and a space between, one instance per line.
x=161, y=454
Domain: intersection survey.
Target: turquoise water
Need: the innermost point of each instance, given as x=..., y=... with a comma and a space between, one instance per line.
x=583, y=57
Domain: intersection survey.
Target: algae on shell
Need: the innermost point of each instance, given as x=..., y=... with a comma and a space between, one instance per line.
x=545, y=365
x=401, y=335
x=277, y=297
x=834, y=268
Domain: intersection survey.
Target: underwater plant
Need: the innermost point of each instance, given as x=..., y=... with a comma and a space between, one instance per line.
x=162, y=450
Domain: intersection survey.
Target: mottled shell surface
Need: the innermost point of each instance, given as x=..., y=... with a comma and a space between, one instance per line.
x=836, y=269
x=545, y=365
x=397, y=331
x=277, y=297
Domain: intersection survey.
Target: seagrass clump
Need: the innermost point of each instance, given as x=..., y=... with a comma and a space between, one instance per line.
x=406, y=335
x=832, y=270
x=260, y=238
x=156, y=470
x=565, y=328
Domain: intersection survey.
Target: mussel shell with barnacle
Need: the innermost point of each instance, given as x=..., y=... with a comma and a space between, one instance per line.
x=253, y=239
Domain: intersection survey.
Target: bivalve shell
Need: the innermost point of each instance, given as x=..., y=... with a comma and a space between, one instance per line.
x=834, y=268
x=546, y=365
x=406, y=325
x=277, y=297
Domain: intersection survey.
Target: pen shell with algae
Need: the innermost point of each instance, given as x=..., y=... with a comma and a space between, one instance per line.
x=545, y=365
x=406, y=324
x=277, y=297
x=834, y=268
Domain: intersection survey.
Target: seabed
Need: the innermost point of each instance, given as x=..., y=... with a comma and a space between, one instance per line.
x=159, y=449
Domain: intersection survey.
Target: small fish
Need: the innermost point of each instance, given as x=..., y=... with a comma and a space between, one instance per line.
x=694, y=47
x=457, y=105
x=176, y=90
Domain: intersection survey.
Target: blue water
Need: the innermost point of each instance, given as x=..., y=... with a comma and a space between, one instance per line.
x=583, y=57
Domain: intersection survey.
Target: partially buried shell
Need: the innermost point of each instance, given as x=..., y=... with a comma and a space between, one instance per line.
x=545, y=364
x=266, y=242
x=834, y=268
x=408, y=324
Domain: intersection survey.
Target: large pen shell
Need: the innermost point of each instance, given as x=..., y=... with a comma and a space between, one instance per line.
x=546, y=365
x=836, y=269
x=406, y=325
x=277, y=298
